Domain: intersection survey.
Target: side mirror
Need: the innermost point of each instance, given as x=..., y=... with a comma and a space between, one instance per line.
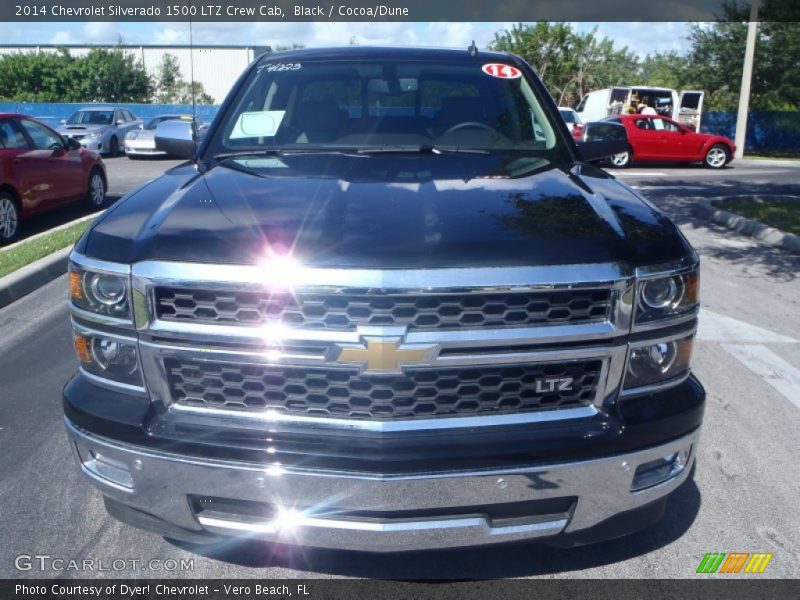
x=175, y=137
x=601, y=140
x=73, y=144
x=120, y=121
x=63, y=121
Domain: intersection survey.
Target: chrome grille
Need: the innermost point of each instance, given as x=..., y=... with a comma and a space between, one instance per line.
x=416, y=393
x=345, y=310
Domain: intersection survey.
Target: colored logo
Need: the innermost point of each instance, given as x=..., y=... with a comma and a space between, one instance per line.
x=384, y=355
x=736, y=562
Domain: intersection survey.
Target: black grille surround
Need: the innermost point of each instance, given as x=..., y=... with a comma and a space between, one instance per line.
x=345, y=310
x=416, y=393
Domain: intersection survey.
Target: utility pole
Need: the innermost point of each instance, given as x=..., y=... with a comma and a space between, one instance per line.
x=747, y=76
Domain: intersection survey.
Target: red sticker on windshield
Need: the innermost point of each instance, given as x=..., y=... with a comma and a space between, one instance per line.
x=502, y=71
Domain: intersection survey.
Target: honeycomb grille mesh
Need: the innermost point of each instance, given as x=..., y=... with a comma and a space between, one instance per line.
x=346, y=310
x=416, y=393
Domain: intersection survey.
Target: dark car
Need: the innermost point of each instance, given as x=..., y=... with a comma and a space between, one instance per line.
x=386, y=306
x=41, y=171
x=655, y=138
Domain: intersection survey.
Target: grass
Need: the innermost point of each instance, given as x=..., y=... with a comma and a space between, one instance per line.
x=783, y=214
x=28, y=252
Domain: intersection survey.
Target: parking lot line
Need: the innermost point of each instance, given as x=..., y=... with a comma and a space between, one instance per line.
x=770, y=367
x=714, y=327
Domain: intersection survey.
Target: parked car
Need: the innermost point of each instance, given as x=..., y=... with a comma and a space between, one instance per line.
x=142, y=142
x=41, y=170
x=573, y=121
x=654, y=138
x=347, y=326
x=603, y=134
x=100, y=128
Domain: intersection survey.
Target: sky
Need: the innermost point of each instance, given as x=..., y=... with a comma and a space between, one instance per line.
x=642, y=38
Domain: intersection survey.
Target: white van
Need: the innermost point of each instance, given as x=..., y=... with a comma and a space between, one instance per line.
x=685, y=107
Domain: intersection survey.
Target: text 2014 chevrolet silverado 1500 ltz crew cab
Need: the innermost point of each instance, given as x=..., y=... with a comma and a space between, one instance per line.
x=386, y=307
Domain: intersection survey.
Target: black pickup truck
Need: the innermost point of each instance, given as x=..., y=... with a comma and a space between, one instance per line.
x=387, y=306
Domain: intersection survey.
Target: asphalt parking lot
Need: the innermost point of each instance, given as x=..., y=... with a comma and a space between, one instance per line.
x=743, y=497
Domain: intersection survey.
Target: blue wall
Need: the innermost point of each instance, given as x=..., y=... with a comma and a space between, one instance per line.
x=766, y=131
x=53, y=113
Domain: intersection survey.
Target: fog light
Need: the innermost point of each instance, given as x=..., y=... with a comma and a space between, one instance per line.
x=111, y=471
x=660, y=470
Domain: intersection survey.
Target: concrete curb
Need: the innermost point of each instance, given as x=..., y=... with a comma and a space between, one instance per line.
x=768, y=162
x=30, y=277
x=768, y=235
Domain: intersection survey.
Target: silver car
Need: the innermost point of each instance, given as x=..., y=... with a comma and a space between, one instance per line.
x=102, y=129
x=142, y=142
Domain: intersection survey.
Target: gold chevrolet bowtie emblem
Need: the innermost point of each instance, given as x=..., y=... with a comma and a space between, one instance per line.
x=383, y=355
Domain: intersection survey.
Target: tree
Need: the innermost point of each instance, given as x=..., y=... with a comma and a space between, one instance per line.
x=717, y=52
x=663, y=69
x=570, y=63
x=113, y=76
x=168, y=79
x=185, y=91
x=171, y=88
x=101, y=76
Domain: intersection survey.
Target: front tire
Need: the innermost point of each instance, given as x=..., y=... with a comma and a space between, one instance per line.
x=113, y=146
x=716, y=157
x=621, y=160
x=96, y=191
x=9, y=218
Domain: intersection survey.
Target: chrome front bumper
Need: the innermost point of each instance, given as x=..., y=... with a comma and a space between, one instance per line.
x=312, y=504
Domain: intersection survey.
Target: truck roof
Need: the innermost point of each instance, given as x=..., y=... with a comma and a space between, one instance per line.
x=385, y=52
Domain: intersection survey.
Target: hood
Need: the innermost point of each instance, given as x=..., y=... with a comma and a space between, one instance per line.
x=87, y=128
x=387, y=211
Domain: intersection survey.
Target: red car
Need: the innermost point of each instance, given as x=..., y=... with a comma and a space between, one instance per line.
x=40, y=171
x=655, y=138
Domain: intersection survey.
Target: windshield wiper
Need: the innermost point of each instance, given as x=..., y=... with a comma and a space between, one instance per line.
x=419, y=149
x=279, y=152
x=261, y=152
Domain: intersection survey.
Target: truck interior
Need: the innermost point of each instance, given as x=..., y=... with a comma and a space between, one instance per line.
x=369, y=104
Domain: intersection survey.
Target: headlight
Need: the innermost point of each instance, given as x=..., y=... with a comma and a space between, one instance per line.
x=131, y=135
x=658, y=361
x=666, y=296
x=108, y=357
x=94, y=136
x=103, y=293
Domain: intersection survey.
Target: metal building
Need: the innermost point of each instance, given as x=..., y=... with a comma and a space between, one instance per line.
x=216, y=67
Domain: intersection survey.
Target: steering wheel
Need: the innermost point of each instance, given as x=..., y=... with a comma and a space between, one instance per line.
x=473, y=124
x=55, y=146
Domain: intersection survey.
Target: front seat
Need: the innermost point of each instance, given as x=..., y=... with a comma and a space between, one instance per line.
x=458, y=109
x=318, y=121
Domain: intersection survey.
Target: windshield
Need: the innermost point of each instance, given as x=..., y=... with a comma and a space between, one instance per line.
x=153, y=123
x=91, y=117
x=569, y=116
x=385, y=104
